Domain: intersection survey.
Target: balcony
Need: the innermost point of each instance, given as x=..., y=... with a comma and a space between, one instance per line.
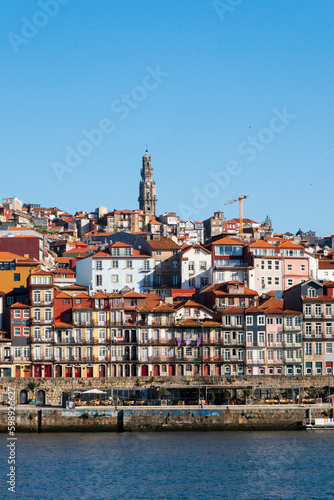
x=21, y=358
x=41, y=321
x=84, y=323
x=6, y=359
x=41, y=338
x=38, y=303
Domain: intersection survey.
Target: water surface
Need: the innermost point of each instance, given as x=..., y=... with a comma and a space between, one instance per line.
x=230, y=465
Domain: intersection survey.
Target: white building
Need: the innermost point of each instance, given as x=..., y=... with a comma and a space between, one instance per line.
x=115, y=267
x=196, y=270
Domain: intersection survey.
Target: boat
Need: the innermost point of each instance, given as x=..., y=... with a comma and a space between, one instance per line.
x=319, y=423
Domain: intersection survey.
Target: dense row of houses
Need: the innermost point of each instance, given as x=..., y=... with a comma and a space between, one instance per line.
x=225, y=329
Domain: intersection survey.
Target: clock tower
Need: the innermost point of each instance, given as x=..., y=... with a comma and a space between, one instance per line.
x=147, y=189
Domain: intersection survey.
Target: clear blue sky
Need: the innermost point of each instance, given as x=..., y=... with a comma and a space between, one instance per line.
x=220, y=76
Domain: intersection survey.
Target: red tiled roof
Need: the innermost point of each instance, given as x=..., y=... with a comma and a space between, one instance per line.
x=254, y=309
x=163, y=244
x=228, y=241
x=232, y=310
x=19, y=305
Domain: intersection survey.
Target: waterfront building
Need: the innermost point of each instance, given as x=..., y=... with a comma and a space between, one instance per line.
x=115, y=267
x=41, y=293
x=196, y=271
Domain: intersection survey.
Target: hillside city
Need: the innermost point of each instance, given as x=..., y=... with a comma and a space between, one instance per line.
x=129, y=293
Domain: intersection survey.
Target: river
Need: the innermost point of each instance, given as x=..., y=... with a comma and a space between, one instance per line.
x=230, y=465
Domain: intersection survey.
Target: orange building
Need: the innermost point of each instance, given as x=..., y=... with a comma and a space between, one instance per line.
x=14, y=270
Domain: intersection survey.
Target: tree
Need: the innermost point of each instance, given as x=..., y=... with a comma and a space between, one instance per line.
x=163, y=393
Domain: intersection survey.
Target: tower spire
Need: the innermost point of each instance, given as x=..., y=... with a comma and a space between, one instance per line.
x=147, y=188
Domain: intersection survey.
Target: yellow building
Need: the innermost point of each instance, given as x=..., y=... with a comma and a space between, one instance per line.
x=14, y=270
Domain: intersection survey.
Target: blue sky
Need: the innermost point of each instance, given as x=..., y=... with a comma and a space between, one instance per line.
x=236, y=90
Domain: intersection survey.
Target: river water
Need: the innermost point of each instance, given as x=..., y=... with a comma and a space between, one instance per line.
x=230, y=465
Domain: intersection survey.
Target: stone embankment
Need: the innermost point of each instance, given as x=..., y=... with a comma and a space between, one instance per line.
x=158, y=419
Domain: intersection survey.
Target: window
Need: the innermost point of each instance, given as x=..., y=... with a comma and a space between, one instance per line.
x=290, y=282
x=250, y=338
x=328, y=328
x=129, y=264
x=192, y=283
x=276, y=281
x=227, y=354
x=204, y=282
x=189, y=351
x=270, y=355
x=308, y=310
x=270, y=338
x=249, y=355
x=66, y=301
x=227, y=320
x=175, y=279
x=158, y=252
x=318, y=349
x=262, y=264
x=17, y=276
x=188, y=368
x=115, y=251
x=269, y=280
x=311, y=292
x=128, y=251
x=175, y=264
x=270, y=321
x=289, y=338
x=17, y=330
x=328, y=309
x=302, y=267
x=269, y=264
x=276, y=265
x=146, y=265
x=289, y=267
x=299, y=338
x=17, y=313
x=129, y=278
x=115, y=264
x=329, y=348
x=202, y=265
x=279, y=337
x=99, y=280
x=26, y=331
x=147, y=280
x=318, y=310
x=48, y=314
x=308, y=329
x=157, y=279
x=114, y=278
x=37, y=296
x=279, y=320
x=318, y=329
x=261, y=338
x=191, y=265
x=288, y=322
x=98, y=265
x=239, y=320
x=260, y=320
x=298, y=321
x=249, y=320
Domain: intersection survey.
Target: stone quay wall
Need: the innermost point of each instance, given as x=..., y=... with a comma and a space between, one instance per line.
x=225, y=418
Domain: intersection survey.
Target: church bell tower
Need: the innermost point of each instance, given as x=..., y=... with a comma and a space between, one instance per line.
x=147, y=189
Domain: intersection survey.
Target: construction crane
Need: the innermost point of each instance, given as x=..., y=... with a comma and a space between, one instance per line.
x=240, y=200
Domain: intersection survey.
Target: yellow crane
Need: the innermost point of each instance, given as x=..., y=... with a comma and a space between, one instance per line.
x=240, y=200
